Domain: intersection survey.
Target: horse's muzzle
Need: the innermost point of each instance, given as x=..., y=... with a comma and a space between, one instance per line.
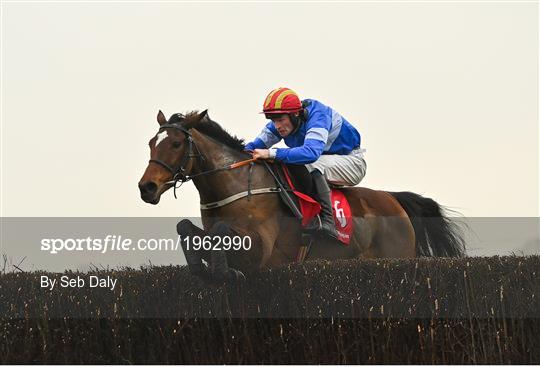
x=148, y=191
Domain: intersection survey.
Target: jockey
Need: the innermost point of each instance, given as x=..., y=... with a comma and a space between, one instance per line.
x=318, y=137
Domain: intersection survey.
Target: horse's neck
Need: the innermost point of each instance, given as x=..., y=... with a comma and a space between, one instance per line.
x=216, y=155
x=216, y=186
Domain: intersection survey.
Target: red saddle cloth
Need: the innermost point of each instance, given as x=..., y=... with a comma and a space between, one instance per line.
x=340, y=207
x=342, y=216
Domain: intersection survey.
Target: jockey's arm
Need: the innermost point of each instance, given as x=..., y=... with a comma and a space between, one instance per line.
x=268, y=137
x=316, y=137
x=307, y=153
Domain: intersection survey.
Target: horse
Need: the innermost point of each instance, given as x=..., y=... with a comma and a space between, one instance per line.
x=194, y=147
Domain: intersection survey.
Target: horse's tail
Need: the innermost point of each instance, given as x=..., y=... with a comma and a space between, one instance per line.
x=436, y=234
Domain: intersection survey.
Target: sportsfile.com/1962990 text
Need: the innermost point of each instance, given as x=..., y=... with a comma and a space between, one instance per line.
x=121, y=243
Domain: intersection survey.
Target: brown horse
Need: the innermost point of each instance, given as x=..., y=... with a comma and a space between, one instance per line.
x=399, y=225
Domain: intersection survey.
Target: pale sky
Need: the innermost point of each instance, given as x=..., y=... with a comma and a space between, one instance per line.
x=445, y=95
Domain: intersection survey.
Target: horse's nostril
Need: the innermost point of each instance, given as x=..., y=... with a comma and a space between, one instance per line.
x=148, y=187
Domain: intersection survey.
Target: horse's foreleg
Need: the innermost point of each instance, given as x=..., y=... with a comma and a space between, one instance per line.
x=185, y=228
x=219, y=267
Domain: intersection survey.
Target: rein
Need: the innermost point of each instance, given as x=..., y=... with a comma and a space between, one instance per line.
x=179, y=175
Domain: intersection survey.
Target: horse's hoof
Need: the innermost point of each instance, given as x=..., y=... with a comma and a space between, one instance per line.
x=183, y=228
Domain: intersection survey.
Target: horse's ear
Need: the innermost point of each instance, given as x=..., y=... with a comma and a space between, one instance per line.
x=203, y=116
x=161, y=118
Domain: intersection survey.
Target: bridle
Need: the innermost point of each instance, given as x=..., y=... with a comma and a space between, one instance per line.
x=179, y=174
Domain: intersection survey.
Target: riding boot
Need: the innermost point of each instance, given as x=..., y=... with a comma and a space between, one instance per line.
x=323, y=192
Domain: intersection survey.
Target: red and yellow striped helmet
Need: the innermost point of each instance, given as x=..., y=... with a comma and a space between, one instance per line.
x=282, y=100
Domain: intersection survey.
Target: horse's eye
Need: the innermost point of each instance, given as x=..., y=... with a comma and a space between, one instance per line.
x=176, y=144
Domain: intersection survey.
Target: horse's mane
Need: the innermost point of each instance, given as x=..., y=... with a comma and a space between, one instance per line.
x=209, y=128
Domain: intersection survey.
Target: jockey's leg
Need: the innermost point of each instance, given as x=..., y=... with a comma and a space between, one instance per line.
x=341, y=170
x=323, y=192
